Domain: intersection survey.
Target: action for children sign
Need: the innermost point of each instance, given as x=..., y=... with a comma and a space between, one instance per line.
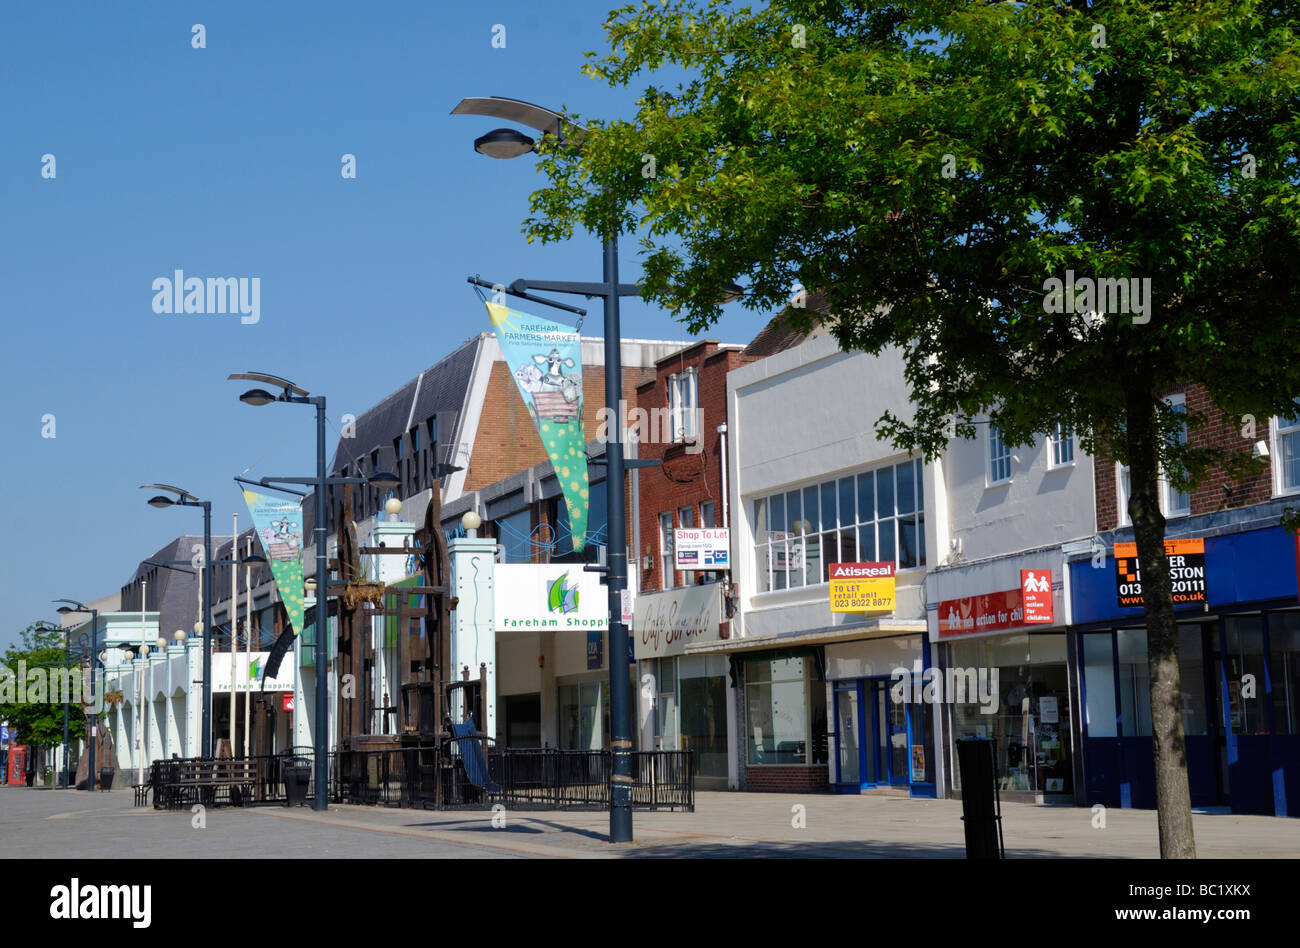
x=545, y=358
x=862, y=587
x=1186, y=572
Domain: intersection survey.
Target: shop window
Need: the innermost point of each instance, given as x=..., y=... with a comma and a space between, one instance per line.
x=1244, y=655
x=999, y=457
x=1061, y=442
x=785, y=707
x=875, y=515
x=1191, y=671
x=1134, y=683
x=1284, y=670
x=1286, y=451
x=583, y=715
x=1028, y=717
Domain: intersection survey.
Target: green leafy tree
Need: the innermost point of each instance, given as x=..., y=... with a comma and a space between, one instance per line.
x=933, y=167
x=40, y=723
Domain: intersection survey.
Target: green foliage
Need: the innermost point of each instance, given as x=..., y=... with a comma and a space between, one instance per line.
x=929, y=165
x=40, y=723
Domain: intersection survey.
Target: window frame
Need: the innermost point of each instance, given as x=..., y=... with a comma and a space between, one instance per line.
x=683, y=405
x=833, y=536
x=1060, y=437
x=1276, y=432
x=994, y=434
x=1167, y=490
x=667, y=573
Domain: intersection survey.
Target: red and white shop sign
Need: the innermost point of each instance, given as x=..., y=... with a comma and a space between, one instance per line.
x=999, y=611
x=288, y=701
x=1036, y=590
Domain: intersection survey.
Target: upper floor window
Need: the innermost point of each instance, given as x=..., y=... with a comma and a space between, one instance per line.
x=1061, y=443
x=999, y=457
x=1173, y=502
x=1286, y=451
x=877, y=515
x=666, y=574
x=683, y=405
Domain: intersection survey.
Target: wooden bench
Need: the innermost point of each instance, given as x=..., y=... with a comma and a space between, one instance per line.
x=197, y=781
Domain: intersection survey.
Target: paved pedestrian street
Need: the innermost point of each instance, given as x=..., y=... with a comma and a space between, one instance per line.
x=38, y=823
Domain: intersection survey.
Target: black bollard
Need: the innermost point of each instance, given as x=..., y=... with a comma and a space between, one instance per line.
x=978, y=798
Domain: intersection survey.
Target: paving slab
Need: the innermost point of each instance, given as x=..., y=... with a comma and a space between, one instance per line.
x=36, y=823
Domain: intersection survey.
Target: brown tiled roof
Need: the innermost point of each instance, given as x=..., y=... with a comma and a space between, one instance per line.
x=779, y=335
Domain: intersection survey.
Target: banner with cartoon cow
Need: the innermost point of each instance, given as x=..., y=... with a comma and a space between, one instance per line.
x=545, y=359
x=279, y=526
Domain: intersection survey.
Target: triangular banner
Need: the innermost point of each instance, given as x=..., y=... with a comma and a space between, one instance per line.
x=545, y=359
x=279, y=526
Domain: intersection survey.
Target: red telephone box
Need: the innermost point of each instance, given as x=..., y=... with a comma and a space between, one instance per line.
x=18, y=765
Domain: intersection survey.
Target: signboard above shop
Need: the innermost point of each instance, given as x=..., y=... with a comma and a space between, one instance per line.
x=1186, y=572
x=701, y=549
x=862, y=587
x=558, y=596
x=1031, y=604
x=666, y=622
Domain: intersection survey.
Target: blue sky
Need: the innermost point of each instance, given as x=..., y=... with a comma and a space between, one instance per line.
x=225, y=161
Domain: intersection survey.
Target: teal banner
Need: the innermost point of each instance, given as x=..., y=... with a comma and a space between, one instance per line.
x=545, y=359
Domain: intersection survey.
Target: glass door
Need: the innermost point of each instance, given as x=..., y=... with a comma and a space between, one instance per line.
x=849, y=774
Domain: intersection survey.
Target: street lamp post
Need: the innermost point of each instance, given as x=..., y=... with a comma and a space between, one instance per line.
x=74, y=606
x=186, y=499
x=298, y=396
x=507, y=143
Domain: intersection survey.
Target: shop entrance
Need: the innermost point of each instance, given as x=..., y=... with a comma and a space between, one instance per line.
x=872, y=736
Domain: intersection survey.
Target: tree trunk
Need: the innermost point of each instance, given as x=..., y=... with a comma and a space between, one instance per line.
x=1173, y=797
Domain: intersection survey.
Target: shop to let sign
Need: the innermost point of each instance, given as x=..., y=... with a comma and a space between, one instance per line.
x=862, y=587
x=701, y=548
x=1186, y=572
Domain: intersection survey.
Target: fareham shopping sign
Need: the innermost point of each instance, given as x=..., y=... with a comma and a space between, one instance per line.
x=555, y=596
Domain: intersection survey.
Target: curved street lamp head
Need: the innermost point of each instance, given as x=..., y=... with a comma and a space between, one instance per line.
x=182, y=495
x=384, y=480
x=257, y=396
x=503, y=143
x=65, y=610
x=253, y=559
x=273, y=380
x=547, y=121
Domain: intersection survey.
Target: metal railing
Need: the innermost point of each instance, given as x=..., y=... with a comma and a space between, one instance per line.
x=430, y=777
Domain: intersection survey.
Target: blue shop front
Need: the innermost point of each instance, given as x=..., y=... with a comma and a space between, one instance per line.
x=1239, y=657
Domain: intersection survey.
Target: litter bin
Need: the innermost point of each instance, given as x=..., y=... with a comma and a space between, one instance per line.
x=980, y=807
x=106, y=778
x=296, y=772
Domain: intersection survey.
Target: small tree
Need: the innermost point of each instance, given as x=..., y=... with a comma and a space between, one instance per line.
x=943, y=172
x=40, y=724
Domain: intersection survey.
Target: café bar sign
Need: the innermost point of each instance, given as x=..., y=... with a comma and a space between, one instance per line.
x=664, y=623
x=1186, y=572
x=862, y=587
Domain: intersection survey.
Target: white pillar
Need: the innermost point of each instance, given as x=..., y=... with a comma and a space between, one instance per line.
x=473, y=637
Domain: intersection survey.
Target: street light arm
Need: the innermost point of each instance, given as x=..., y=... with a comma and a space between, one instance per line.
x=578, y=289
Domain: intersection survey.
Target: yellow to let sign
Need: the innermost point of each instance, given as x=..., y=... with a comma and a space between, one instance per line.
x=862, y=587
